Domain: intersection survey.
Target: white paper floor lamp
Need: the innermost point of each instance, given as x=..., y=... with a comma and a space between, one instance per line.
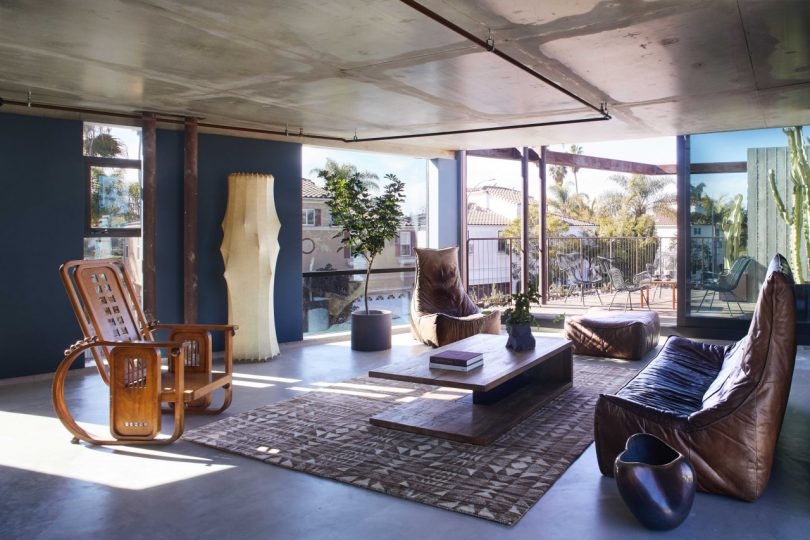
x=250, y=249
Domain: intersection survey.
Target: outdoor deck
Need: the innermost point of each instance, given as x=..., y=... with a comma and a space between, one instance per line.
x=661, y=301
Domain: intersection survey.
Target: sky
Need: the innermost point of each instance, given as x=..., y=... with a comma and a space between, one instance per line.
x=411, y=170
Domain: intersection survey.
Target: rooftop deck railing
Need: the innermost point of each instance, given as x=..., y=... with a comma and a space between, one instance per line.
x=493, y=269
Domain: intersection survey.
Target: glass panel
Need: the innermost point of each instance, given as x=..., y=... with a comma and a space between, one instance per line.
x=330, y=300
x=128, y=248
x=104, y=140
x=736, y=227
x=115, y=198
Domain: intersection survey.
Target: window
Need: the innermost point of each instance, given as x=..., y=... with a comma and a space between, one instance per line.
x=113, y=175
x=405, y=246
x=696, y=231
x=333, y=278
x=502, y=245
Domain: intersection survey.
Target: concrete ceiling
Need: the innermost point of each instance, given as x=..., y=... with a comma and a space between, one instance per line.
x=378, y=67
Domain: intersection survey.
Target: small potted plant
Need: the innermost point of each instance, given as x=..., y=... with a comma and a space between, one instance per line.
x=365, y=224
x=518, y=320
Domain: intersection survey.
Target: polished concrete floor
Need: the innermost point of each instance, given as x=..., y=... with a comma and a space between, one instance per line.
x=50, y=488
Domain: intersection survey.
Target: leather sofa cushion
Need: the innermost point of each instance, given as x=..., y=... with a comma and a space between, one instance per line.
x=676, y=381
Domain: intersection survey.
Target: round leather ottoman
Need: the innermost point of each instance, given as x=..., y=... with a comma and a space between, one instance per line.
x=614, y=335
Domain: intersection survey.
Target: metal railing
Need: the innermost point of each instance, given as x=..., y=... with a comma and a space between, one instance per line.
x=493, y=269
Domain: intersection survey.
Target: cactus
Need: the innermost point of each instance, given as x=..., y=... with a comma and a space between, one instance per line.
x=732, y=232
x=799, y=219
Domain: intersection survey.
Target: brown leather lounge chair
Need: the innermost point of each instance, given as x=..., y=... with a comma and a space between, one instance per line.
x=722, y=407
x=441, y=311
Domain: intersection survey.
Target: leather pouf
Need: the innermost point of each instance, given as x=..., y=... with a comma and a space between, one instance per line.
x=614, y=335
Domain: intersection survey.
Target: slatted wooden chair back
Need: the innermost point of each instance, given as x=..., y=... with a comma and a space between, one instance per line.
x=105, y=303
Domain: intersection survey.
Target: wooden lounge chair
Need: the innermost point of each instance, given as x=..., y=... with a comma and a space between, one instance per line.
x=128, y=358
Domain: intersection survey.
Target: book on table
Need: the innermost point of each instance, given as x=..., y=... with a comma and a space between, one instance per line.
x=456, y=359
x=468, y=367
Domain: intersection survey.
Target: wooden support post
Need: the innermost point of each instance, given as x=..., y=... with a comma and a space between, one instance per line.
x=683, y=187
x=543, y=270
x=464, y=250
x=149, y=215
x=190, y=223
x=524, y=222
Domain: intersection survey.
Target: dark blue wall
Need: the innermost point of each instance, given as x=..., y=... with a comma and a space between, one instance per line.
x=42, y=224
x=169, y=245
x=218, y=157
x=41, y=227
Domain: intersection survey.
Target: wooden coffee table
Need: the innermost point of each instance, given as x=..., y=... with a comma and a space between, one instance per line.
x=509, y=387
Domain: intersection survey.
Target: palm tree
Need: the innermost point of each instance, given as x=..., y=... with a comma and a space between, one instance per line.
x=558, y=173
x=568, y=204
x=346, y=170
x=644, y=195
x=98, y=141
x=575, y=149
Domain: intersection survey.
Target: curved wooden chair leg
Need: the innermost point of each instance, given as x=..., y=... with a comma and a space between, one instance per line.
x=226, y=402
x=79, y=433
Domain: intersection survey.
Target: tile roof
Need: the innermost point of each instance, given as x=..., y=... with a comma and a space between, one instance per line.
x=665, y=220
x=477, y=215
x=310, y=190
x=507, y=194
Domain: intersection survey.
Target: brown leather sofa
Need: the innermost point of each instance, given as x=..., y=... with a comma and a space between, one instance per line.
x=721, y=406
x=441, y=311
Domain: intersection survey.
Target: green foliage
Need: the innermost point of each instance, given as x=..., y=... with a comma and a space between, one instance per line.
x=628, y=212
x=799, y=218
x=732, y=223
x=366, y=223
x=519, y=313
x=98, y=141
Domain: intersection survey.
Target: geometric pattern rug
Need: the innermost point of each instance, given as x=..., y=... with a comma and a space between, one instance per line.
x=326, y=433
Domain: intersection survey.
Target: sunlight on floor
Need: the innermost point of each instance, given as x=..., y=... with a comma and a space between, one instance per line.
x=251, y=384
x=265, y=378
x=42, y=445
x=339, y=391
x=391, y=389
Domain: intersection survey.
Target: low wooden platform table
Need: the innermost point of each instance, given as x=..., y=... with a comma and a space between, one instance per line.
x=508, y=388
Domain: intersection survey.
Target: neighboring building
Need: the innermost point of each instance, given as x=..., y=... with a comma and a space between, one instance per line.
x=490, y=210
x=665, y=226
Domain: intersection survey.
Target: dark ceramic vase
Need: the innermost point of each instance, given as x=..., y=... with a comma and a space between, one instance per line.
x=520, y=337
x=656, y=482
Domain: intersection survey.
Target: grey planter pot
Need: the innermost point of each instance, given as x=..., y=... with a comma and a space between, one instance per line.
x=656, y=482
x=371, y=331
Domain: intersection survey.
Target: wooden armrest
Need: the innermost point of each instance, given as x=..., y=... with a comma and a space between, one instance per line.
x=140, y=343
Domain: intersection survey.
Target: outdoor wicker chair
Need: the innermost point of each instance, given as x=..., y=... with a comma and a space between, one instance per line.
x=640, y=282
x=580, y=275
x=725, y=283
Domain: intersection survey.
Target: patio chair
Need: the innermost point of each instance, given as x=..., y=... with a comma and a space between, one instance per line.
x=724, y=283
x=580, y=275
x=640, y=281
x=128, y=358
x=441, y=311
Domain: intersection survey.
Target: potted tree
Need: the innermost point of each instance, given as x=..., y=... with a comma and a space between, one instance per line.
x=518, y=320
x=365, y=224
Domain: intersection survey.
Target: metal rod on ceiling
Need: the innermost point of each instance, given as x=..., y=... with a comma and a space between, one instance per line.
x=489, y=45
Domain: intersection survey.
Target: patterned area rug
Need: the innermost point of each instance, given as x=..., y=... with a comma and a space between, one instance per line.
x=328, y=434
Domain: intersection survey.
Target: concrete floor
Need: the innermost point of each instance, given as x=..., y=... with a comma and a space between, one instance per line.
x=50, y=488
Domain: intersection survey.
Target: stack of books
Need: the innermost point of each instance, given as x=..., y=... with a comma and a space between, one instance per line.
x=457, y=360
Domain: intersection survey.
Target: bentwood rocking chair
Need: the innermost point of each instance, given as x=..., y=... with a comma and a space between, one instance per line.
x=128, y=358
